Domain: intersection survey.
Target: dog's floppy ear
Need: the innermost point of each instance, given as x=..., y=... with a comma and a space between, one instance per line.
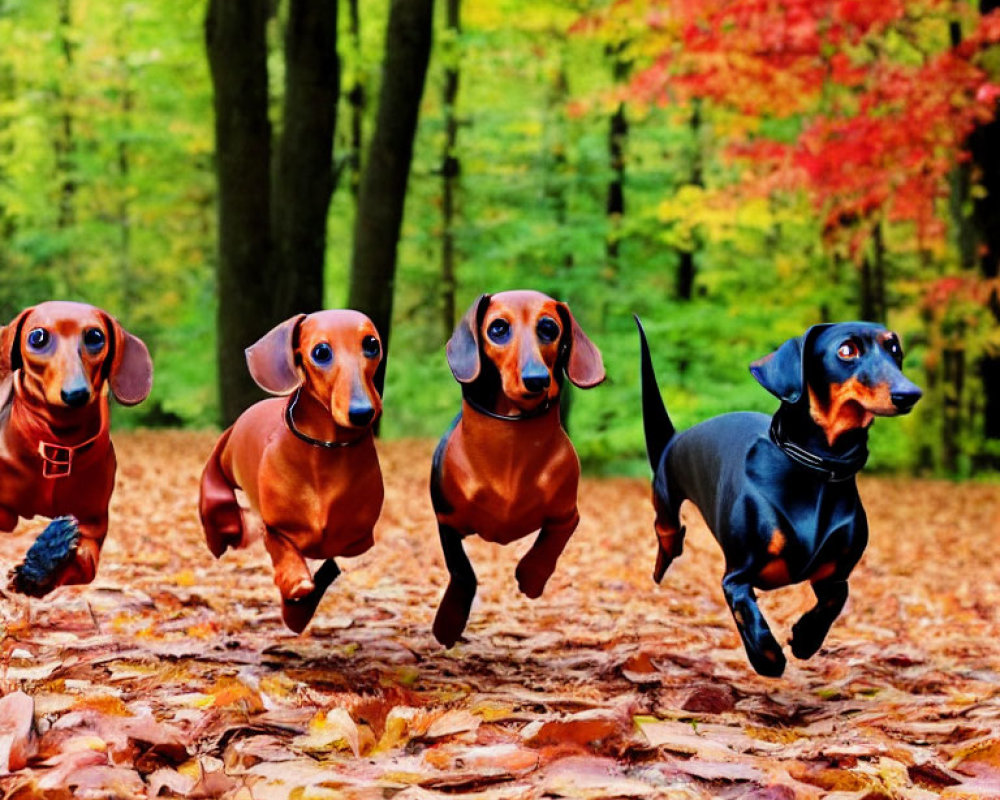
x=584, y=365
x=271, y=358
x=782, y=372
x=131, y=372
x=463, y=346
x=10, y=343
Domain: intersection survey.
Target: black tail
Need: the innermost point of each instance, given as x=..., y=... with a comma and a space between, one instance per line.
x=656, y=423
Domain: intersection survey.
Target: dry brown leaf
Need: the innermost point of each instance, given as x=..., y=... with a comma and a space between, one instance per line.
x=18, y=742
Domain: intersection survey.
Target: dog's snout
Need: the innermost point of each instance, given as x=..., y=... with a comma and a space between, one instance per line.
x=75, y=398
x=360, y=415
x=536, y=378
x=906, y=399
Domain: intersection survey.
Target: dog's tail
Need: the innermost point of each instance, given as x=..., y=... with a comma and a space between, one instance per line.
x=658, y=428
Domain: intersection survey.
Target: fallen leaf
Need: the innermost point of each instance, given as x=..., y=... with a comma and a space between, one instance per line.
x=18, y=742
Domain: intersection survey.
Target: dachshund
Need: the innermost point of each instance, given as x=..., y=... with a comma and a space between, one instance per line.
x=56, y=457
x=506, y=467
x=307, y=464
x=779, y=493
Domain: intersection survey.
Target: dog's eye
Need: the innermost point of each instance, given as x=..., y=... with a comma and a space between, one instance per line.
x=322, y=354
x=370, y=347
x=38, y=339
x=499, y=331
x=547, y=329
x=848, y=350
x=93, y=339
x=892, y=345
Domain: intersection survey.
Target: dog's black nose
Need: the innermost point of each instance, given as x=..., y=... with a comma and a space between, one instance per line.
x=360, y=415
x=75, y=398
x=536, y=384
x=536, y=378
x=904, y=401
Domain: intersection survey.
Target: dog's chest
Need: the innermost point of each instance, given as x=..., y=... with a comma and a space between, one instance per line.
x=81, y=485
x=804, y=527
x=321, y=491
x=505, y=493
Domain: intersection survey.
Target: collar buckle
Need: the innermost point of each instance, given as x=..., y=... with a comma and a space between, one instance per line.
x=57, y=459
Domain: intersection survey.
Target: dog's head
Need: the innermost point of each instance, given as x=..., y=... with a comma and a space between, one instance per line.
x=848, y=373
x=529, y=339
x=67, y=351
x=331, y=354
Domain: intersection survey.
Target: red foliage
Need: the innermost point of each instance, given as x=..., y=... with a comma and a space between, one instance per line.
x=883, y=119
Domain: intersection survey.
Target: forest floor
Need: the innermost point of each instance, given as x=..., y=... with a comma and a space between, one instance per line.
x=172, y=674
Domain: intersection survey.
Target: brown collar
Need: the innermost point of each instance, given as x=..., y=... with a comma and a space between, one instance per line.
x=57, y=457
x=539, y=411
x=305, y=437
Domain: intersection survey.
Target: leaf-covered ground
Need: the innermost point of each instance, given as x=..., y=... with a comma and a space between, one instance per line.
x=172, y=674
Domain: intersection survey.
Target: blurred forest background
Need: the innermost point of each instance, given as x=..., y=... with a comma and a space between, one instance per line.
x=731, y=170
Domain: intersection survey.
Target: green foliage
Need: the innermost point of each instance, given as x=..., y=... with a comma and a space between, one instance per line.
x=533, y=145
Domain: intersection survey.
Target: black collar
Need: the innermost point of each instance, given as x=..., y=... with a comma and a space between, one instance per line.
x=831, y=468
x=290, y=423
x=533, y=414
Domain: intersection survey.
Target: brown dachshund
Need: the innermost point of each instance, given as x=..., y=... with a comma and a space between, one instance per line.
x=307, y=464
x=56, y=456
x=506, y=468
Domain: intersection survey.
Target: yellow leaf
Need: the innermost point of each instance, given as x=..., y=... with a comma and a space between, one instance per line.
x=333, y=729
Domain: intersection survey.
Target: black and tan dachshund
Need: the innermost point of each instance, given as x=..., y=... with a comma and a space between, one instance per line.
x=506, y=468
x=779, y=493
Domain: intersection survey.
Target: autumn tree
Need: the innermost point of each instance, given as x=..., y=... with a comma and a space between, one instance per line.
x=870, y=106
x=273, y=200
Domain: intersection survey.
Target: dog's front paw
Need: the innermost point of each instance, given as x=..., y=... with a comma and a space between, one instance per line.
x=530, y=582
x=53, y=550
x=806, y=638
x=766, y=657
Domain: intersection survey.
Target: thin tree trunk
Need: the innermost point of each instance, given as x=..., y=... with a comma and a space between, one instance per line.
x=235, y=34
x=356, y=98
x=953, y=365
x=383, y=184
x=65, y=142
x=125, y=276
x=555, y=178
x=450, y=169
x=303, y=179
x=686, y=266
x=617, y=139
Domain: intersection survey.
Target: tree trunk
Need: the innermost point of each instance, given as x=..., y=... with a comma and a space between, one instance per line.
x=125, y=277
x=303, y=175
x=387, y=167
x=237, y=53
x=450, y=169
x=686, y=266
x=65, y=145
x=953, y=365
x=984, y=144
x=356, y=98
x=617, y=139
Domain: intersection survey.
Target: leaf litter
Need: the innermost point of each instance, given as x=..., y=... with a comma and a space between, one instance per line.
x=172, y=675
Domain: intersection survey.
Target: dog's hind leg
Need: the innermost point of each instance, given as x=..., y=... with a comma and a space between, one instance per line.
x=761, y=647
x=453, y=613
x=669, y=535
x=221, y=517
x=811, y=629
x=537, y=565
